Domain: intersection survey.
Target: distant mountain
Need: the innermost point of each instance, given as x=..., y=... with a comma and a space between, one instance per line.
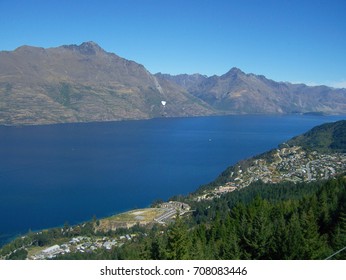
x=83, y=83
x=240, y=93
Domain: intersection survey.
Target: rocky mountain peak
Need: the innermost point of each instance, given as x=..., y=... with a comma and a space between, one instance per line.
x=78, y=83
x=233, y=72
x=86, y=48
x=90, y=48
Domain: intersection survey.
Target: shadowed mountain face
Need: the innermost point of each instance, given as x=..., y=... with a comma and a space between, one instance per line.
x=85, y=83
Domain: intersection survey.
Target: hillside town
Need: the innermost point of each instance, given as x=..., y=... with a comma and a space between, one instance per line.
x=284, y=164
x=81, y=244
x=97, y=239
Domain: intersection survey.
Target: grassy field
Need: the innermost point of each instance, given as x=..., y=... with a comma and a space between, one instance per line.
x=127, y=219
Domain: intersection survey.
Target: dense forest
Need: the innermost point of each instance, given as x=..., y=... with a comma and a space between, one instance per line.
x=262, y=221
x=287, y=221
x=305, y=221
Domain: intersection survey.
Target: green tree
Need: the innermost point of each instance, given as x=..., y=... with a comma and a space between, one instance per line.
x=324, y=212
x=20, y=254
x=177, y=241
x=279, y=246
x=260, y=229
x=231, y=244
x=199, y=243
x=339, y=237
x=295, y=240
x=315, y=245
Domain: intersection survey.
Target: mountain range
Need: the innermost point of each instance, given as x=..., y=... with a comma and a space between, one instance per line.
x=240, y=93
x=84, y=83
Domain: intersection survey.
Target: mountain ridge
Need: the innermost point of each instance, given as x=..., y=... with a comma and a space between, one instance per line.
x=244, y=93
x=84, y=83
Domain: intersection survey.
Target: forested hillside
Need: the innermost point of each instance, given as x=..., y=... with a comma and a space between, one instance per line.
x=285, y=221
x=262, y=221
x=330, y=137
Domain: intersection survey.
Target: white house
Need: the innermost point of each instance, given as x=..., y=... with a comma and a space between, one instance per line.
x=51, y=250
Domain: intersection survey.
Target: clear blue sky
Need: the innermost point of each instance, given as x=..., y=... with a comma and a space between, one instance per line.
x=285, y=40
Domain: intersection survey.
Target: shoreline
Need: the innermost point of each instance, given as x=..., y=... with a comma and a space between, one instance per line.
x=307, y=114
x=10, y=237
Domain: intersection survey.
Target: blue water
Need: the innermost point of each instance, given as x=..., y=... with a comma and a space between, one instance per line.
x=56, y=173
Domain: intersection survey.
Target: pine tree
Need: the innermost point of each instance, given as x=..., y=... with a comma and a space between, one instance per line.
x=260, y=232
x=339, y=237
x=199, y=243
x=295, y=240
x=279, y=246
x=324, y=212
x=177, y=242
x=231, y=244
x=197, y=251
x=155, y=249
x=315, y=245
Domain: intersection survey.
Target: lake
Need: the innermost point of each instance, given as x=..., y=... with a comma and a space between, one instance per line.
x=51, y=174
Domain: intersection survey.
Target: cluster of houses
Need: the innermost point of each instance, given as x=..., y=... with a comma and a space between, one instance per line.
x=217, y=192
x=82, y=244
x=180, y=206
x=295, y=164
x=285, y=164
x=86, y=244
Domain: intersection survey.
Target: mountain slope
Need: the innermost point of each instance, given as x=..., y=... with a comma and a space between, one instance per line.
x=330, y=137
x=84, y=83
x=237, y=92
